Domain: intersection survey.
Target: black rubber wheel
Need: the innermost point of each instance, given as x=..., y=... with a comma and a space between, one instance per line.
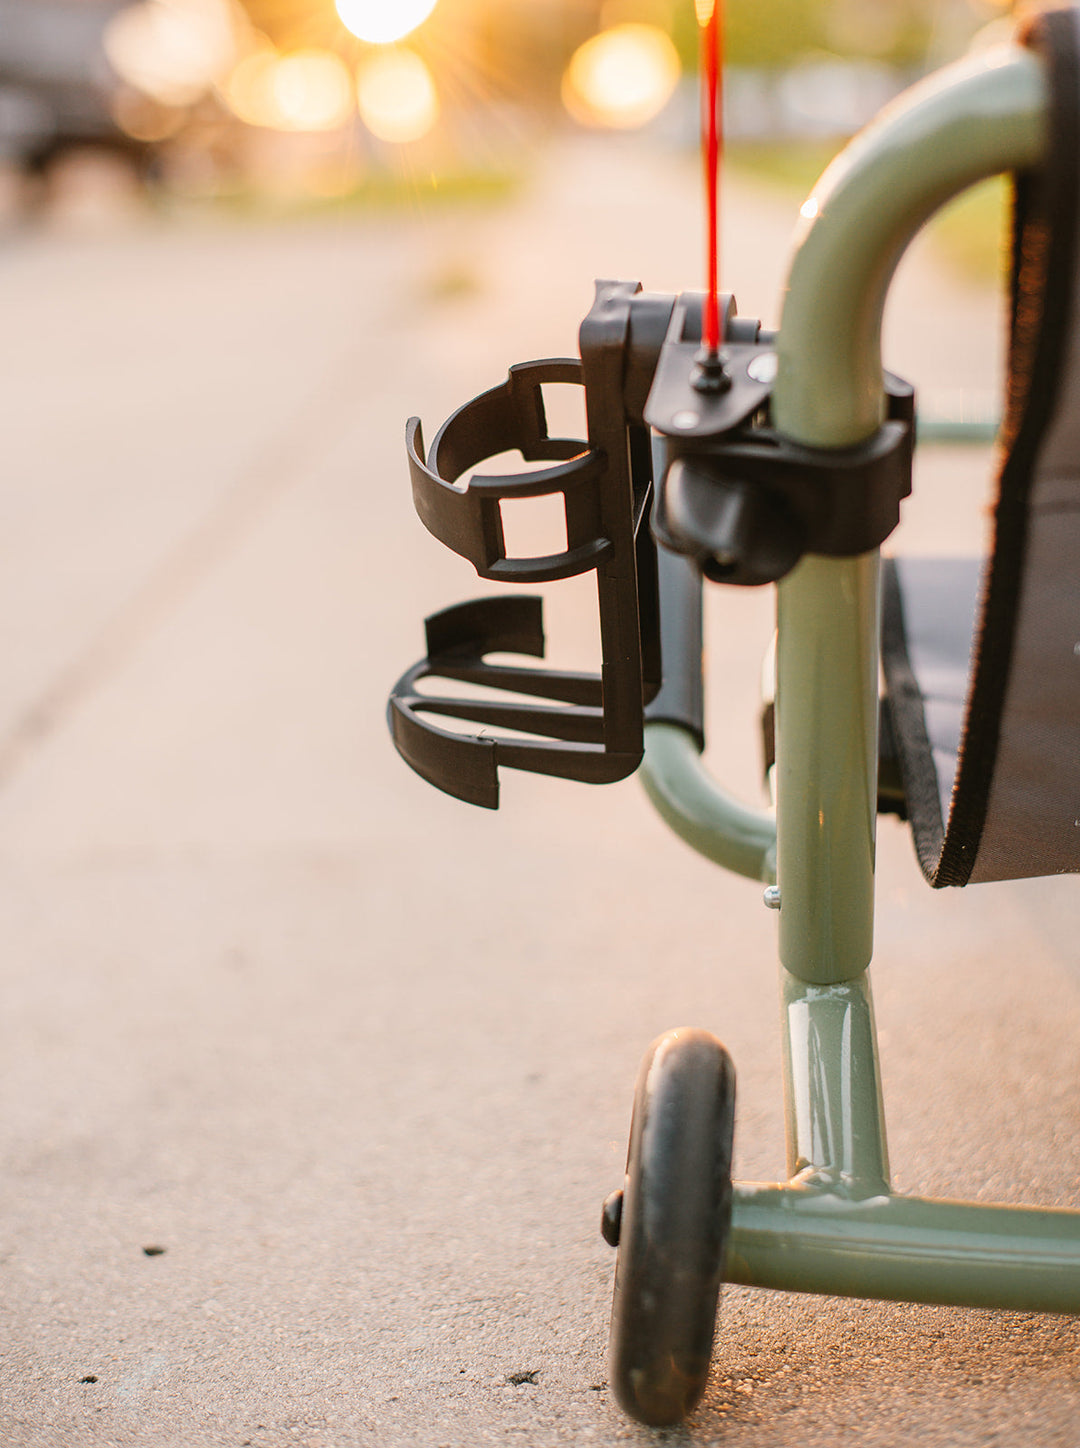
x=673, y=1228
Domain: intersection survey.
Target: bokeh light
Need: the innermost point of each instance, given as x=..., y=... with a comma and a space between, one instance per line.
x=397, y=97
x=144, y=119
x=312, y=90
x=622, y=77
x=308, y=90
x=381, y=22
x=249, y=91
x=172, y=50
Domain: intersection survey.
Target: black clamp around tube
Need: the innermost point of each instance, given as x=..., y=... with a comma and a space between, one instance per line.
x=745, y=503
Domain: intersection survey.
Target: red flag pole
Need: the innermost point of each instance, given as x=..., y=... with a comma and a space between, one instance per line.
x=710, y=21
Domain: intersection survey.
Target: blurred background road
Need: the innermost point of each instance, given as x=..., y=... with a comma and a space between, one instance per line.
x=314, y=1079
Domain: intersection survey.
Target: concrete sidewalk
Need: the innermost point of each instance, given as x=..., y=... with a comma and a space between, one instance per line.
x=314, y=1079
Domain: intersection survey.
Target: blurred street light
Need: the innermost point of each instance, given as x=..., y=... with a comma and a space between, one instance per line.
x=309, y=90
x=397, y=97
x=622, y=77
x=312, y=90
x=381, y=22
x=172, y=50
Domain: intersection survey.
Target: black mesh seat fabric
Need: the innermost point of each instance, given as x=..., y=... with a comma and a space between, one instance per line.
x=982, y=661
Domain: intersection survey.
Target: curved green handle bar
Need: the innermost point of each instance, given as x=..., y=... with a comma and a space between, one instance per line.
x=971, y=120
x=690, y=801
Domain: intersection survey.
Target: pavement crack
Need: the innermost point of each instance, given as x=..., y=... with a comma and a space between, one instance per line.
x=517, y=1380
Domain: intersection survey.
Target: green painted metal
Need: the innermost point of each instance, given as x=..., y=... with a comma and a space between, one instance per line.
x=832, y=1088
x=883, y=186
x=836, y=1228
x=700, y=812
x=968, y=122
x=826, y=765
x=959, y=431
x=906, y=1249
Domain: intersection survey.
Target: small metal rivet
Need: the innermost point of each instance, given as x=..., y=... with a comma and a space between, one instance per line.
x=772, y=897
x=763, y=368
x=685, y=419
x=611, y=1218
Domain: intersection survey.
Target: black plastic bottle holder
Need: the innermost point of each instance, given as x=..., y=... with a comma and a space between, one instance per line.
x=589, y=726
x=734, y=498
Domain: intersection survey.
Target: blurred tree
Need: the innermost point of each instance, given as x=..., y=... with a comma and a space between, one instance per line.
x=757, y=32
x=772, y=33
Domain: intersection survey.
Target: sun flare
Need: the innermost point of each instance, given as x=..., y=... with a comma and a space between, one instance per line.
x=381, y=22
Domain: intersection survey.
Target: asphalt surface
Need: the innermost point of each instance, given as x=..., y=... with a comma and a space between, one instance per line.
x=314, y=1079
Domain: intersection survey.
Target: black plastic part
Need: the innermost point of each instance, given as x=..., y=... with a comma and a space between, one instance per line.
x=681, y=699
x=569, y=729
x=734, y=531
x=891, y=796
x=675, y=408
x=675, y=1222
x=745, y=503
x=508, y=418
x=590, y=727
x=776, y=501
x=638, y=351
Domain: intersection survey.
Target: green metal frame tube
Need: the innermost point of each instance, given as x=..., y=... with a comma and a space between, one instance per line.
x=905, y=1249
x=969, y=121
x=832, y=1088
x=836, y=1228
x=956, y=432
x=826, y=765
x=690, y=801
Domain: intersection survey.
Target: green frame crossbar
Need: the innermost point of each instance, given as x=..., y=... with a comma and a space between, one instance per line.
x=835, y=1226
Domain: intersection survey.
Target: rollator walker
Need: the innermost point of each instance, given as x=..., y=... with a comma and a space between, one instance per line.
x=785, y=460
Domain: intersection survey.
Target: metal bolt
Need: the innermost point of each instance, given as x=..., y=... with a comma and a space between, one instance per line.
x=709, y=372
x=611, y=1218
x=772, y=897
